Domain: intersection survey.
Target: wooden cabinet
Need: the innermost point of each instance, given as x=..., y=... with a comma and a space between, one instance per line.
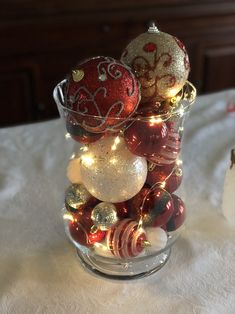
x=41, y=42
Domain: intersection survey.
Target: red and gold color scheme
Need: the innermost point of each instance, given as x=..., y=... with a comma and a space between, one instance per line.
x=160, y=62
x=80, y=228
x=78, y=133
x=126, y=239
x=168, y=152
x=145, y=137
x=154, y=207
x=169, y=176
x=103, y=92
x=178, y=216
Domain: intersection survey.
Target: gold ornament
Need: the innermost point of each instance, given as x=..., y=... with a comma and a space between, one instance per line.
x=77, y=75
x=160, y=62
x=76, y=195
x=104, y=215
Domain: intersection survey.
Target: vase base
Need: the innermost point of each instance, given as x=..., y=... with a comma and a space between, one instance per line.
x=121, y=270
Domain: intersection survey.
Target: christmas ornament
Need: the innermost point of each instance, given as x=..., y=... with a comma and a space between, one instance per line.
x=102, y=250
x=136, y=209
x=110, y=172
x=80, y=226
x=168, y=152
x=154, y=207
x=73, y=171
x=104, y=96
x=229, y=195
x=77, y=132
x=157, y=239
x=96, y=236
x=178, y=216
x=168, y=176
x=160, y=62
x=122, y=209
x=146, y=137
x=104, y=215
x=126, y=239
x=76, y=196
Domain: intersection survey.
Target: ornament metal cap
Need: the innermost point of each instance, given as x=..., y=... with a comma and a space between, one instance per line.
x=145, y=244
x=153, y=28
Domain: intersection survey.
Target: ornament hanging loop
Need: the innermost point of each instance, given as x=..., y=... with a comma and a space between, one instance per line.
x=152, y=28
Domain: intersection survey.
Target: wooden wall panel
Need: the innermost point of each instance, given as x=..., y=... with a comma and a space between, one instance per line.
x=40, y=43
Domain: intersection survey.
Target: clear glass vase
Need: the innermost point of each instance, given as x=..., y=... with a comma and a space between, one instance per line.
x=121, y=211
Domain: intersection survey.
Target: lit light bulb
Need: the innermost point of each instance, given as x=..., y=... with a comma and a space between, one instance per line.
x=67, y=136
x=84, y=148
x=154, y=120
x=116, y=142
x=87, y=160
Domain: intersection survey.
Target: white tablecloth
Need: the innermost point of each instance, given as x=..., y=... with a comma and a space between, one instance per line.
x=39, y=270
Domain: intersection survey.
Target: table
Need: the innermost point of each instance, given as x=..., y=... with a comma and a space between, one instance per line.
x=39, y=270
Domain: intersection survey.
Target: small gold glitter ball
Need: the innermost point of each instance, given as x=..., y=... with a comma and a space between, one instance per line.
x=76, y=195
x=160, y=62
x=104, y=215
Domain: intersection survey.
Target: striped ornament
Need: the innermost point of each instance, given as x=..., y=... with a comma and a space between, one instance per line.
x=125, y=239
x=169, y=152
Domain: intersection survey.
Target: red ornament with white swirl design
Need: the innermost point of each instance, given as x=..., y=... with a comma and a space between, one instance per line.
x=102, y=92
x=168, y=152
x=160, y=62
x=126, y=239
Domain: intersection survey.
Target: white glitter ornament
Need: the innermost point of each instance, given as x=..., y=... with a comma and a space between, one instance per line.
x=110, y=172
x=73, y=171
x=102, y=250
x=157, y=238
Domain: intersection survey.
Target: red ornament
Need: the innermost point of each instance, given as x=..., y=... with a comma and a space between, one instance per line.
x=122, y=210
x=171, y=175
x=136, y=210
x=97, y=236
x=78, y=133
x=146, y=137
x=104, y=92
x=80, y=228
x=178, y=216
x=154, y=207
x=169, y=151
x=125, y=239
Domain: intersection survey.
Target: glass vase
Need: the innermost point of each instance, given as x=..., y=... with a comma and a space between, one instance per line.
x=121, y=211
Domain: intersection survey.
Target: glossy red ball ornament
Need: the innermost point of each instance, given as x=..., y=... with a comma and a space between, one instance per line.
x=154, y=207
x=105, y=88
x=122, y=210
x=145, y=137
x=178, y=216
x=136, y=209
x=169, y=152
x=169, y=175
x=80, y=227
x=78, y=133
x=97, y=236
x=126, y=239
